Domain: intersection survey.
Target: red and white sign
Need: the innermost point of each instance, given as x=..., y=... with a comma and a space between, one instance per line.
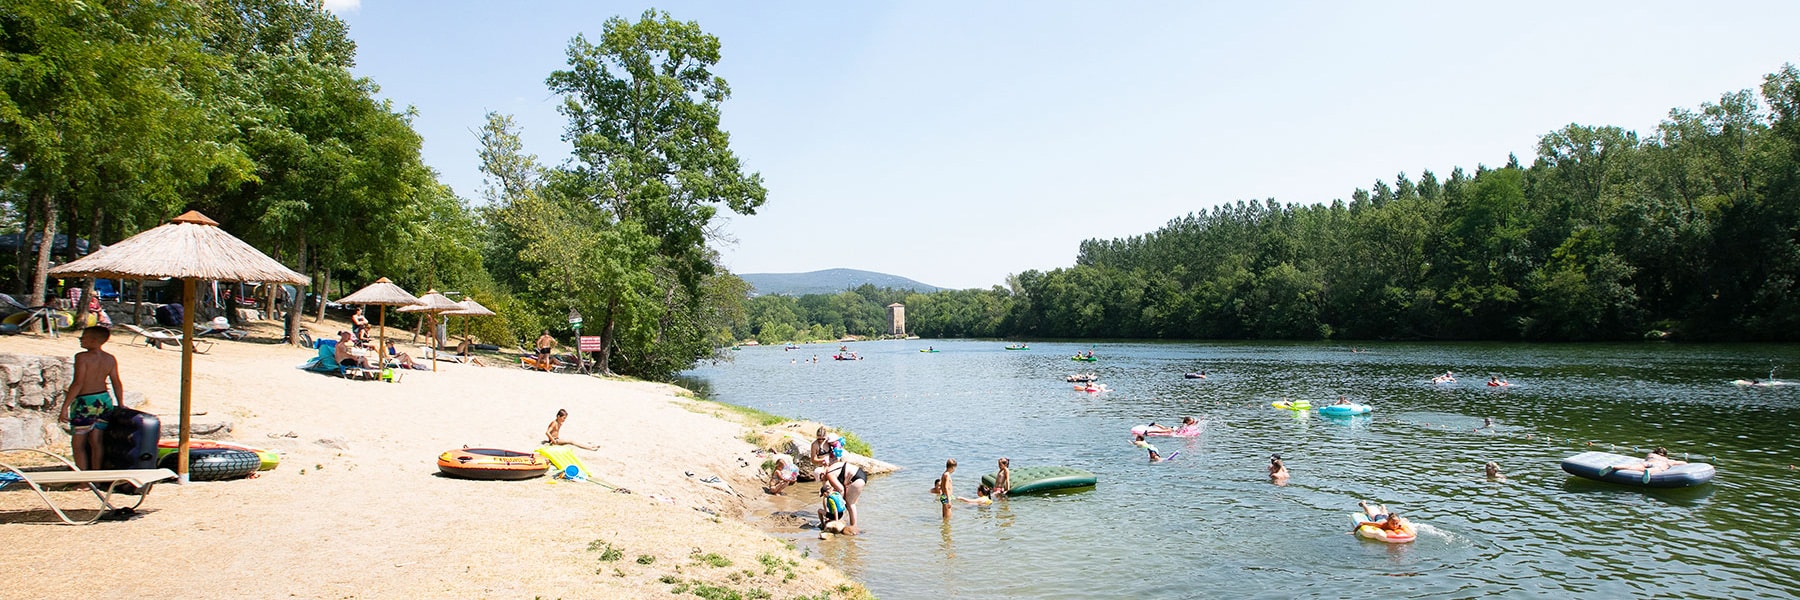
x=589, y=343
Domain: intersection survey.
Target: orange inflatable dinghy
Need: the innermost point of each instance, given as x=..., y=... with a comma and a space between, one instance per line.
x=491, y=463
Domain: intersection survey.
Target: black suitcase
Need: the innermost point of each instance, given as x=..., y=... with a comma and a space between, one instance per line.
x=129, y=440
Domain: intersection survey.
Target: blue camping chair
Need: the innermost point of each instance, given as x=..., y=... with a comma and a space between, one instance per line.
x=326, y=361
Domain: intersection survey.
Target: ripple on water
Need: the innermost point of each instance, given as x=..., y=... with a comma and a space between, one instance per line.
x=1211, y=525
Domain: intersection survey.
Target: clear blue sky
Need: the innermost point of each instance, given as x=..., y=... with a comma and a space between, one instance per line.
x=955, y=143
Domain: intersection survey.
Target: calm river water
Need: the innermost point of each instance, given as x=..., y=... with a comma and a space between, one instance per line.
x=1210, y=524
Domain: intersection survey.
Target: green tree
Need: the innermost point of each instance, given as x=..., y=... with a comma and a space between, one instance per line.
x=643, y=109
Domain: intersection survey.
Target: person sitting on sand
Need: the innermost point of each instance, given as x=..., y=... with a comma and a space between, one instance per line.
x=1278, y=471
x=346, y=353
x=785, y=474
x=553, y=433
x=1493, y=472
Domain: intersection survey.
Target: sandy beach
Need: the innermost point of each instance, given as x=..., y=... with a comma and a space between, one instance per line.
x=357, y=509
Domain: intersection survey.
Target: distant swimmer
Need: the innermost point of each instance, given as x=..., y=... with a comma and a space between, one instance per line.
x=1278, y=471
x=1493, y=472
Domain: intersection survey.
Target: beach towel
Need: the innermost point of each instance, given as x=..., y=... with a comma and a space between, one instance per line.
x=326, y=361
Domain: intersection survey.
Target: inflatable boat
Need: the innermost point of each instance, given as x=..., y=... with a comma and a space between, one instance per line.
x=1344, y=410
x=1033, y=480
x=1295, y=405
x=1629, y=470
x=491, y=464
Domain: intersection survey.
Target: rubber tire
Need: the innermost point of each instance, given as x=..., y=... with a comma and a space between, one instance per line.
x=215, y=464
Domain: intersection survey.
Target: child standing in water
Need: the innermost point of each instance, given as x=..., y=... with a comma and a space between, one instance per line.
x=943, y=486
x=87, y=397
x=1002, y=479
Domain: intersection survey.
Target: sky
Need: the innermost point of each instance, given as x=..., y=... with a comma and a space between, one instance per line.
x=956, y=143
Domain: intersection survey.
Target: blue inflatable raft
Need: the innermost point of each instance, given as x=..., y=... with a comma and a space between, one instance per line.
x=1336, y=410
x=1629, y=470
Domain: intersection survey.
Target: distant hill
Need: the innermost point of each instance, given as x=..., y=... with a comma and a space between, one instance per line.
x=829, y=281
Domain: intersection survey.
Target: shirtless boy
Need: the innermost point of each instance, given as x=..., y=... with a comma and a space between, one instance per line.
x=87, y=397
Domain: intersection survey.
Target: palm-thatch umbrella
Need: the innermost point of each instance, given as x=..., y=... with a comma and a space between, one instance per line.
x=193, y=249
x=469, y=308
x=433, y=303
x=382, y=293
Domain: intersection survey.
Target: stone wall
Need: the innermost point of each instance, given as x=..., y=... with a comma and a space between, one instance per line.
x=31, y=395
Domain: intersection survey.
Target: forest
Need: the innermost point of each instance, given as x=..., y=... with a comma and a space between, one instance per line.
x=117, y=115
x=1688, y=233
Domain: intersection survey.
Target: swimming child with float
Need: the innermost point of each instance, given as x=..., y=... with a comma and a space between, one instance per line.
x=87, y=398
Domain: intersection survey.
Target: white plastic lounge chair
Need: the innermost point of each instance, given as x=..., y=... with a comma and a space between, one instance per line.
x=430, y=353
x=139, y=480
x=157, y=336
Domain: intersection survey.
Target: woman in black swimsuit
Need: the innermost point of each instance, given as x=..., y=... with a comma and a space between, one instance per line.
x=847, y=479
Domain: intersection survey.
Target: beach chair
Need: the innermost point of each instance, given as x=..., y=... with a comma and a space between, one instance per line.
x=157, y=336
x=430, y=353
x=134, y=481
x=326, y=362
x=220, y=327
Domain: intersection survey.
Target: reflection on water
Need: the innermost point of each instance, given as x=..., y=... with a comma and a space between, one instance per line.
x=1210, y=524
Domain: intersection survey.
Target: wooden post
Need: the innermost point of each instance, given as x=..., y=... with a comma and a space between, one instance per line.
x=187, y=373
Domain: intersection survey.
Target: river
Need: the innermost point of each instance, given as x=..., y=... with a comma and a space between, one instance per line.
x=1210, y=524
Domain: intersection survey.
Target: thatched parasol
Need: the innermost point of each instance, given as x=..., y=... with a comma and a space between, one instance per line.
x=382, y=293
x=469, y=308
x=433, y=303
x=191, y=248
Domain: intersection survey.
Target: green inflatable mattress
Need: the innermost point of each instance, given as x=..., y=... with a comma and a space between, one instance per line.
x=1032, y=480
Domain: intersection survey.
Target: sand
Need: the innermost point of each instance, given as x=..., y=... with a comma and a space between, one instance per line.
x=357, y=509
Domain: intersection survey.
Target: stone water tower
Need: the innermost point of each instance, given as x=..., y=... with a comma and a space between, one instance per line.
x=896, y=319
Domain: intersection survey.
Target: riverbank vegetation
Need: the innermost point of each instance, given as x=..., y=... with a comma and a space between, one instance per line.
x=1605, y=235
x=115, y=116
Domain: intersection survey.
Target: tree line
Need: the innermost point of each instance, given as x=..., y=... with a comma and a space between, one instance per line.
x=1689, y=232
x=116, y=115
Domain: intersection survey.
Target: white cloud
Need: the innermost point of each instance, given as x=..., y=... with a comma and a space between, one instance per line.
x=343, y=6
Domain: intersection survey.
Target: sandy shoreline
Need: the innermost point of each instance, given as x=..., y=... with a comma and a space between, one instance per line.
x=373, y=520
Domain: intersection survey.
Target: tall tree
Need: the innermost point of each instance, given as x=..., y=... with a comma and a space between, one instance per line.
x=643, y=108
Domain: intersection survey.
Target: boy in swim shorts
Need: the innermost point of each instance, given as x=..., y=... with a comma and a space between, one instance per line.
x=943, y=486
x=87, y=397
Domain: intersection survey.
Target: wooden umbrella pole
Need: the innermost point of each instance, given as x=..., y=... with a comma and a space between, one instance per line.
x=187, y=373
x=381, y=347
x=437, y=348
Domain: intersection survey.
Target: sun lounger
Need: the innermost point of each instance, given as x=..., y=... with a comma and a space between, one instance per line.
x=430, y=353
x=157, y=336
x=227, y=333
x=136, y=481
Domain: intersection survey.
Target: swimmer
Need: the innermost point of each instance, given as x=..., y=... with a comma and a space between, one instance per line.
x=983, y=496
x=1154, y=455
x=1493, y=472
x=1278, y=471
x=1341, y=401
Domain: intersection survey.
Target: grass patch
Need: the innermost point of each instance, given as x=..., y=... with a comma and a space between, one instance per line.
x=645, y=559
x=607, y=552
x=856, y=444
x=711, y=558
